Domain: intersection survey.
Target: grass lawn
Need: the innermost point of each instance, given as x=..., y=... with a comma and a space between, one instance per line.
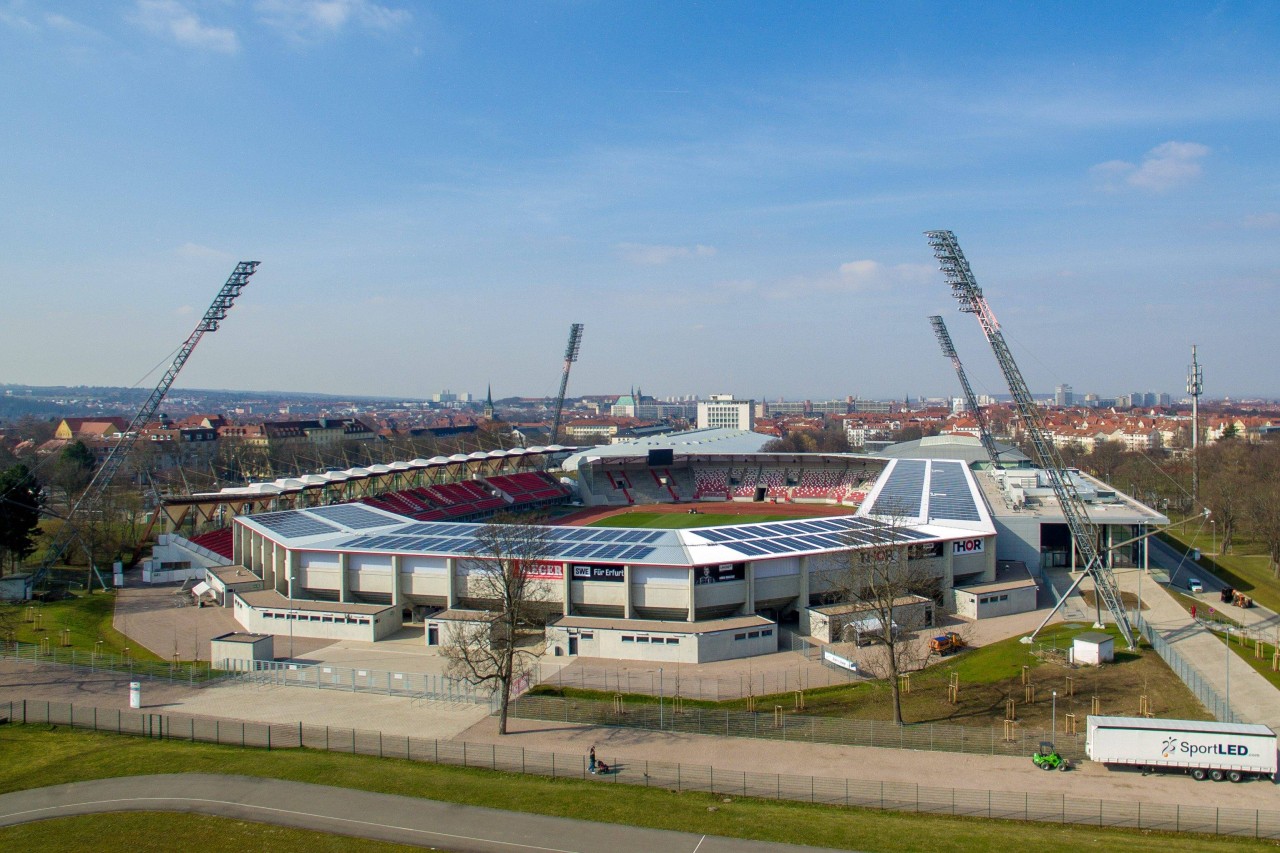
x=40, y=756
x=1246, y=654
x=989, y=676
x=681, y=520
x=141, y=832
x=1246, y=568
x=88, y=617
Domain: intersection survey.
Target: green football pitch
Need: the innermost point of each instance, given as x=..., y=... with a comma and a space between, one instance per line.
x=680, y=520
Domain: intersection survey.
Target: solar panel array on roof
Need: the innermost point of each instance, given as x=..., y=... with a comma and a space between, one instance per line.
x=949, y=494
x=350, y=515
x=902, y=493
x=777, y=538
x=292, y=524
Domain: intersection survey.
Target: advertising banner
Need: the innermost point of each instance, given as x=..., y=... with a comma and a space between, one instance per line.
x=967, y=546
x=598, y=573
x=722, y=573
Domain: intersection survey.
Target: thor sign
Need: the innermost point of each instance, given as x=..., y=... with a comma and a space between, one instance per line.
x=967, y=546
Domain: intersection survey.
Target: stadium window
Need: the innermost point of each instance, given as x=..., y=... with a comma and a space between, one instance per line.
x=739, y=637
x=767, y=632
x=588, y=636
x=753, y=634
x=1004, y=598
x=642, y=639
x=627, y=639
x=673, y=641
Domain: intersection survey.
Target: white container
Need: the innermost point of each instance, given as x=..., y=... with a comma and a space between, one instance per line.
x=1204, y=749
x=135, y=694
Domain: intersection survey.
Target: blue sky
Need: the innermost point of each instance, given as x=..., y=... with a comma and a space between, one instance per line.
x=730, y=196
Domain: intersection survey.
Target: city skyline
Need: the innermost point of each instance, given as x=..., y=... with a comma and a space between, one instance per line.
x=727, y=202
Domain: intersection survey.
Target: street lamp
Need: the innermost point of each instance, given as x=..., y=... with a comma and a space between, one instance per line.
x=660, y=720
x=1213, y=526
x=1229, y=671
x=1055, y=715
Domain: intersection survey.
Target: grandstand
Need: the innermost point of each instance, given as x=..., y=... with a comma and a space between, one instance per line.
x=819, y=478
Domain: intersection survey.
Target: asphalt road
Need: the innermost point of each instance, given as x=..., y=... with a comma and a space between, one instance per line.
x=341, y=811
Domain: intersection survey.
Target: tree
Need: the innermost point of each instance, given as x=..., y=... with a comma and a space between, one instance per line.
x=1224, y=482
x=500, y=645
x=887, y=586
x=1262, y=504
x=20, y=501
x=73, y=470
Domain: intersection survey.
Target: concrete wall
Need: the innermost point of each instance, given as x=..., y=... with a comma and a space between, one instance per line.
x=987, y=605
x=1018, y=538
x=660, y=647
x=326, y=626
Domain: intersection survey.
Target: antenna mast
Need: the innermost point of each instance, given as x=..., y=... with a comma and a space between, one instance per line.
x=1195, y=387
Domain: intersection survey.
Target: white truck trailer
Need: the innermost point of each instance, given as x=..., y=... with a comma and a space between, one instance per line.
x=1216, y=751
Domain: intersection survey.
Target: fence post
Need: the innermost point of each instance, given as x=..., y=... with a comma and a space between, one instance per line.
x=299, y=734
x=268, y=737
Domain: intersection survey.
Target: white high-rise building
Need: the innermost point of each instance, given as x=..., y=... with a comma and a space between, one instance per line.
x=723, y=411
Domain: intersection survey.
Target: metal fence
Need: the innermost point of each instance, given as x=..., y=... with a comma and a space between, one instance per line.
x=195, y=674
x=415, y=685
x=775, y=723
x=1190, y=676
x=906, y=797
x=668, y=681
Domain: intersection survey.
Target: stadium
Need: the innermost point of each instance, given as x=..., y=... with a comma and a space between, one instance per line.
x=651, y=553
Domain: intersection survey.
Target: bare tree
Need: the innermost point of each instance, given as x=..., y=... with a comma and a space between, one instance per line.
x=503, y=583
x=1262, y=503
x=890, y=589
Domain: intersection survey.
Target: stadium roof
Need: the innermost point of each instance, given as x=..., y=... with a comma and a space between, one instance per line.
x=718, y=440
x=965, y=448
x=942, y=495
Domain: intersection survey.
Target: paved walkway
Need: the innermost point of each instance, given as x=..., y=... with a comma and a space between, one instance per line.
x=361, y=814
x=1251, y=696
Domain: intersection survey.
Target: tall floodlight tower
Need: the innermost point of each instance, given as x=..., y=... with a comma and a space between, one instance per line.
x=971, y=400
x=964, y=287
x=89, y=501
x=1195, y=387
x=570, y=356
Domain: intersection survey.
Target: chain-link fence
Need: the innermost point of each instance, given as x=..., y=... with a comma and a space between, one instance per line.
x=1190, y=676
x=415, y=685
x=193, y=673
x=668, y=681
x=1054, y=808
x=778, y=723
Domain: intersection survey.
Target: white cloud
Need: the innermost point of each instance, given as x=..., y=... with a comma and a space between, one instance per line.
x=655, y=255
x=1263, y=220
x=170, y=19
x=308, y=20
x=856, y=276
x=197, y=252
x=1164, y=167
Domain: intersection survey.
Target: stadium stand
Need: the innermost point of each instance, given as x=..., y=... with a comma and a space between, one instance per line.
x=710, y=483
x=218, y=541
x=528, y=489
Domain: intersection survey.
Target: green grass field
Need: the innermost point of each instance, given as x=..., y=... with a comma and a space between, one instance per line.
x=142, y=832
x=989, y=676
x=680, y=520
x=40, y=756
x=1246, y=568
x=88, y=617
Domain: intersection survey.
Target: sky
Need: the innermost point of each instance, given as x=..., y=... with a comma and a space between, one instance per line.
x=730, y=196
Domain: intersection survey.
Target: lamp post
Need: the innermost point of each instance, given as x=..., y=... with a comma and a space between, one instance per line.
x=1228, y=662
x=1213, y=526
x=1055, y=715
x=660, y=719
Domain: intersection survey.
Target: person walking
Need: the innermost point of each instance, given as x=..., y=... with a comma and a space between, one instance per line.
x=592, y=756
x=1193, y=611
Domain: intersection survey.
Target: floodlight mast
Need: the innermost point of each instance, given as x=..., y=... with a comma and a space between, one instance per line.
x=971, y=400
x=570, y=356
x=106, y=472
x=964, y=287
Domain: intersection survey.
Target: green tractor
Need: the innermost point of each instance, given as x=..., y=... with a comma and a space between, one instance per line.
x=1047, y=758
